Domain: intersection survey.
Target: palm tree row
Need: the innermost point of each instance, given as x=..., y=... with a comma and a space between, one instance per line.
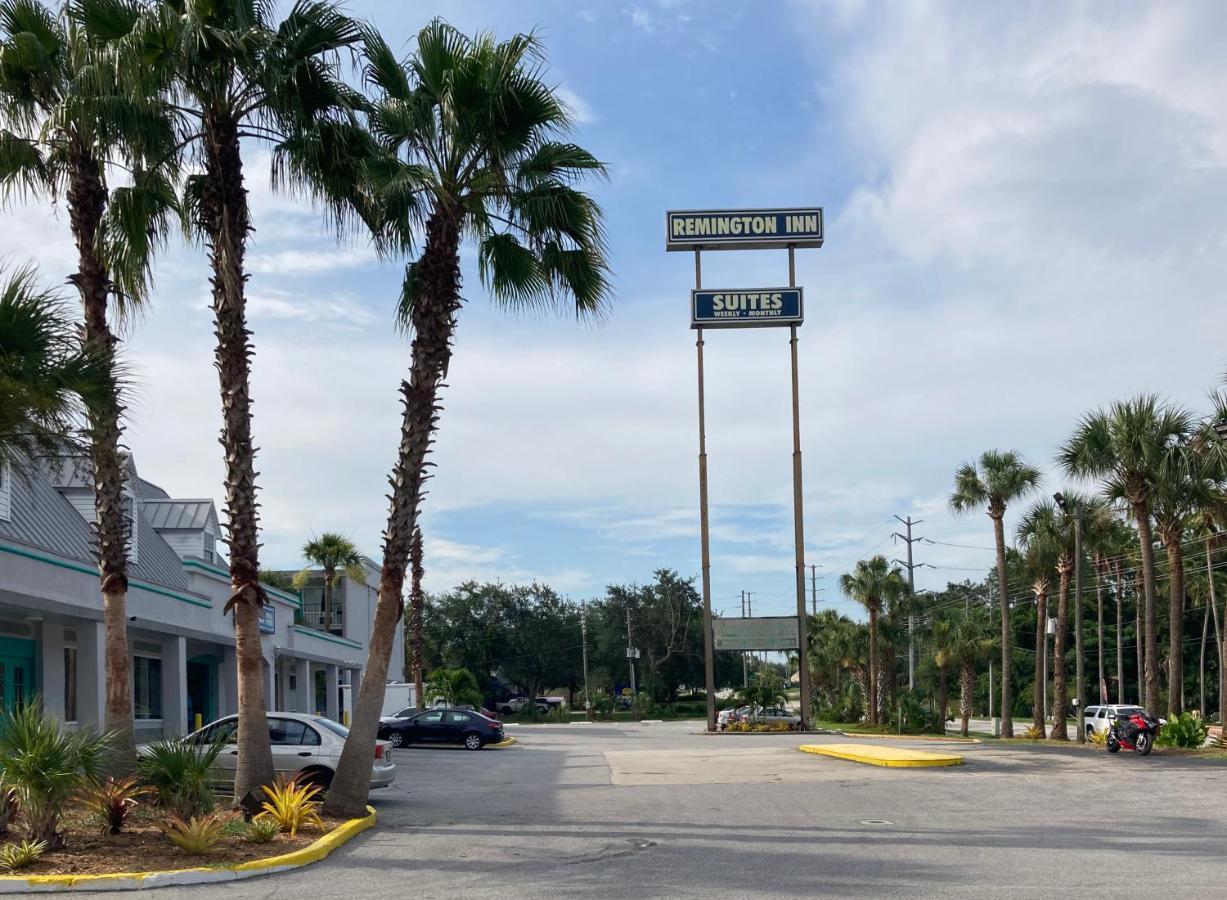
x=462, y=137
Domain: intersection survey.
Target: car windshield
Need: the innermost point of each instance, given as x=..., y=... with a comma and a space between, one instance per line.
x=339, y=730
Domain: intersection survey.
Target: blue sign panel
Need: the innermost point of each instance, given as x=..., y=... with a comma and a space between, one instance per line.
x=268, y=619
x=734, y=229
x=725, y=308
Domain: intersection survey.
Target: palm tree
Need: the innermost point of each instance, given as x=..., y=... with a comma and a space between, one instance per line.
x=1036, y=535
x=331, y=552
x=46, y=377
x=967, y=640
x=1116, y=544
x=471, y=140
x=66, y=118
x=415, y=611
x=234, y=77
x=453, y=686
x=1125, y=446
x=873, y=582
x=1000, y=478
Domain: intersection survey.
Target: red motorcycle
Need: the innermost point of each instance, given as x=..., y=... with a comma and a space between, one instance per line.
x=1136, y=731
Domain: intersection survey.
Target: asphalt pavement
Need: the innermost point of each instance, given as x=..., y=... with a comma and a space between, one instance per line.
x=634, y=811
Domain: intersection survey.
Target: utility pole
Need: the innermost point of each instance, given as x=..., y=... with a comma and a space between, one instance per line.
x=1079, y=675
x=745, y=666
x=911, y=586
x=583, y=630
x=750, y=605
x=630, y=650
x=813, y=587
x=990, y=663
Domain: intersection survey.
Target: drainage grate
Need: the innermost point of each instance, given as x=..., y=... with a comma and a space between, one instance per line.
x=876, y=822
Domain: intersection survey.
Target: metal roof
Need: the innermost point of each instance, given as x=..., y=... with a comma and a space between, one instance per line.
x=190, y=514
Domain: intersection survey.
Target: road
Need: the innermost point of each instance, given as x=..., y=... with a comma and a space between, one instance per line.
x=634, y=811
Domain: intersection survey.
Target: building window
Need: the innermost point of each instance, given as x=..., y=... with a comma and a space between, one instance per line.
x=6, y=491
x=70, y=684
x=146, y=687
x=210, y=547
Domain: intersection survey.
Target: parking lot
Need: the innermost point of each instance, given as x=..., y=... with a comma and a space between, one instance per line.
x=661, y=811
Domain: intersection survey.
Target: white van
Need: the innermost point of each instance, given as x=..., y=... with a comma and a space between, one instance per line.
x=397, y=696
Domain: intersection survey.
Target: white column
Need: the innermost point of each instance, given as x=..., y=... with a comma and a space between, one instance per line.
x=174, y=685
x=51, y=674
x=270, y=679
x=304, y=692
x=91, y=673
x=228, y=683
x=332, y=706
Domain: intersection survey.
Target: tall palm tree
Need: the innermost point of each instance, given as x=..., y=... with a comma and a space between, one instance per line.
x=1117, y=544
x=1125, y=446
x=237, y=76
x=472, y=141
x=46, y=378
x=1036, y=534
x=872, y=583
x=415, y=611
x=67, y=117
x=331, y=551
x=997, y=480
x=968, y=639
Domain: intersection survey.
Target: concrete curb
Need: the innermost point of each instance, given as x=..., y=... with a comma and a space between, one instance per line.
x=139, y=881
x=892, y=757
x=957, y=739
x=503, y=744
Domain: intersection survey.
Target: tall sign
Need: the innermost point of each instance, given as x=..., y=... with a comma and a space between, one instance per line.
x=763, y=633
x=748, y=229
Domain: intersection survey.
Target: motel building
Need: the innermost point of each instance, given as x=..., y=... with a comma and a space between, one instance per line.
x=181, y=644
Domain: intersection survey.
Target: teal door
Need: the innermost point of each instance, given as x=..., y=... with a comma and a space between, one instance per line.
x=201, y=690
x=16, y=672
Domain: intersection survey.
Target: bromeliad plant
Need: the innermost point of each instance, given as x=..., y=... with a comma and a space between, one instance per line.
x=110, y=801
x=18, y=856
x=290, y=804
x=46, y=767
x=261, y=831
x=179, y=772
x=198, y=834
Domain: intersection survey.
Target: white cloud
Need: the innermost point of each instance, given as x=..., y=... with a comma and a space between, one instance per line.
x=309, y=262
x=581, y=111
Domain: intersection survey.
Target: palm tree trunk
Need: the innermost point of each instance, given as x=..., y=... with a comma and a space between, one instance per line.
x=415, y=607
x=1101, y=688
x=967, y=685
x=1059, y=732
x=1201, y=671
x=225, y=220
x=87, y=197
x=1120, y=646
x=1175, y=604
x=1141, y=514
x=1007, y=698
x=433, y=317
x=326, y=612
x=1041, y=625
x=943, y=695
x=1140, y=641
x=873, y=665
x=1213, y=598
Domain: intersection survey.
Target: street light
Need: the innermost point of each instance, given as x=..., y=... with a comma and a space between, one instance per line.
x=1078, y=673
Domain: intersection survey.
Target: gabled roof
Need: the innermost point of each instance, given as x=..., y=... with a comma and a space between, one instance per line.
x=190, y=514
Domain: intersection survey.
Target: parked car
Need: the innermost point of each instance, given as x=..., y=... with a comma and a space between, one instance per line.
x=728, y=716
x=304, y=746
x=512, y=704
x=769, y=715
x=401, y=714
x=1099, y=718
x=443, y=726
x=469, y=706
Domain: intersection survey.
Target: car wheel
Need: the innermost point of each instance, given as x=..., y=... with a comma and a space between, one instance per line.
x=320, y=778
x=395, y=738
x=472, y=741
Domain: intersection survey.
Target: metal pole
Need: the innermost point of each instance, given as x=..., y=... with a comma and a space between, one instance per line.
x=1079, y=688
x=1044, y=675
x=745, y=668
x=630, y=650
x=709, y=667
x=990, y=662
x=583, y=630
x=813, y=587
x=798, y=511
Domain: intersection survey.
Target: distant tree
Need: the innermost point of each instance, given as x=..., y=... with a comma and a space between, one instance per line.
x=873, y=582
x=995, y=481
x=454, y=686
x=331, y=552
x=275, y=578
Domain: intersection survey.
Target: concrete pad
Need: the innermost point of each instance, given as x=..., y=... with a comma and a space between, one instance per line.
x=893, y=757
x=717, y=765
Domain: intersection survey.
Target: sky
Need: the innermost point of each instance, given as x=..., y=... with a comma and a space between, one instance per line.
x=1024, y=217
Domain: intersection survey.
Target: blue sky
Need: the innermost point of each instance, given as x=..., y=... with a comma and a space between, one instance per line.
x=1024, y=218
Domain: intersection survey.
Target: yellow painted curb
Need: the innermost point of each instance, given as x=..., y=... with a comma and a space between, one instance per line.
x=505, y=742
x=954, y=739
x=12, y=884
x=893, y=757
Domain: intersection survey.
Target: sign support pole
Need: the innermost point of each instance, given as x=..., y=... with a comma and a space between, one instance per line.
x=709, y=667
x=798, y=513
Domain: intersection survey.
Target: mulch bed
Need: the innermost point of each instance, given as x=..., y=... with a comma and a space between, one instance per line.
x=142, y=847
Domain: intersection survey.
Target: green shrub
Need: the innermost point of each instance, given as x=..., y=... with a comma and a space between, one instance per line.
x=8, y=805
x=199, y=834
x=261, y=831
x=46, y=767
x=1035, y=733
x=1185, y=730
x=18, y=856
x=179, y=771
x=917, y=719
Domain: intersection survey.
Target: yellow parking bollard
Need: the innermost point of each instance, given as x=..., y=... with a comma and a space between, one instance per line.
x=345, y=718
x=199, y=721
